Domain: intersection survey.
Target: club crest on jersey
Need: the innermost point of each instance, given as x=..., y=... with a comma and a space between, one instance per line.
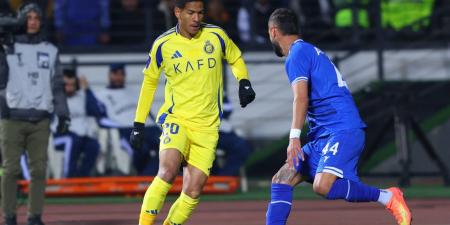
x=208, y=48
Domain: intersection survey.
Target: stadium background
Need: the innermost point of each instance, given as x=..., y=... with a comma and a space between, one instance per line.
x=393, y=54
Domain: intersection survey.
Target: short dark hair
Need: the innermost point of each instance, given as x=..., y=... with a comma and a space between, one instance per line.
x=114, y=67
x=286, y=21
x=182, y=3
x=69, y=73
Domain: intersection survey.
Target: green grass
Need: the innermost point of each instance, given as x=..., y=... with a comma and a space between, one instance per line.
x=263, y=194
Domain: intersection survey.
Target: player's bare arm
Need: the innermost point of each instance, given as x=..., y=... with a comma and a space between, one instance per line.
x=299, y=108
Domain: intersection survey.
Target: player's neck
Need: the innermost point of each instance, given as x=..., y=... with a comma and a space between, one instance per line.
x=287, y=42
x=186, y=34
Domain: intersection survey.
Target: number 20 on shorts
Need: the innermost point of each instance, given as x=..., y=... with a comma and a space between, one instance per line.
x=171, y=128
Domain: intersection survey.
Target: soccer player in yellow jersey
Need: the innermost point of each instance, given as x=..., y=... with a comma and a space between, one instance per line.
x=190, y=55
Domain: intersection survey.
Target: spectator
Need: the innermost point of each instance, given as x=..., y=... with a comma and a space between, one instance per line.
x=79, y=144
x=218, y=15
x=82, y=22
x=244, y=22
x=260, y=15
x=31, y=89
x=164, y=13
x=121, y=103
x=127, y=22
x=236, y=148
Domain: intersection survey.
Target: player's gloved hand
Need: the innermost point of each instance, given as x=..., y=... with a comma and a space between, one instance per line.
x=137, y=136
x=63, y=124
x=246, y=93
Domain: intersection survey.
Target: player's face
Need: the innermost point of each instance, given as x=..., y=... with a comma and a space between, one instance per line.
x=117, y=78
x=33, y=22
x=273, y=36
x=190, y=18
x=70, y=86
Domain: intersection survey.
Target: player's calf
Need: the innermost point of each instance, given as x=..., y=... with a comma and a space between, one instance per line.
x=281, y=195
x=286, y=175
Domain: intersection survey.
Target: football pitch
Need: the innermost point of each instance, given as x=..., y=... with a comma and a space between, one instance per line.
x=429, y=206
x=250, y=212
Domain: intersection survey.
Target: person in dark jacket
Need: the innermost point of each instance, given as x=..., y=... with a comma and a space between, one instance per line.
x=31, y=90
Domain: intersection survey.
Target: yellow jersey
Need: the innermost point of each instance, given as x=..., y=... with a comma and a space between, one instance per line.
x=193, y=72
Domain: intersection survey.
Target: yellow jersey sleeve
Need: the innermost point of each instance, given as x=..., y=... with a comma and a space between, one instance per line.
x=155, y=62
x=239, y=69
x=152, y=72
x=146, y=96
x=233, y=55
x=231, y=51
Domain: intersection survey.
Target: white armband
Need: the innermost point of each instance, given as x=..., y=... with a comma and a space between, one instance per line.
x=295, y=133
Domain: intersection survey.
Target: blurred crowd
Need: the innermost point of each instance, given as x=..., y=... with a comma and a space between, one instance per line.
x=138, y=22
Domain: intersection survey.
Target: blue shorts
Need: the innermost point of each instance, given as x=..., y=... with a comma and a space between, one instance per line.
x=337, y=153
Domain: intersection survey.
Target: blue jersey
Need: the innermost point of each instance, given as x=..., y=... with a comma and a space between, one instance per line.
x=331, y=106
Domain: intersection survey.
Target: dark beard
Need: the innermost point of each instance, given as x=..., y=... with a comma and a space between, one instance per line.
x=277, y=49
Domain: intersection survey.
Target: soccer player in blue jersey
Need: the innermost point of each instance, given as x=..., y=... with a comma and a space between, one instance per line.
x=337, y=135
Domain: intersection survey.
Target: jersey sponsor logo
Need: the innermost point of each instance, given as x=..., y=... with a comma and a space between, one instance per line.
x=176, y=55
x=43, y=60
x=194, y=65
x=208, y=48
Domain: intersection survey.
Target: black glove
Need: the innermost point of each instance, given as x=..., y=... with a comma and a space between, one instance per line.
x=63, y=124
x=137, y=136
x=246, y=93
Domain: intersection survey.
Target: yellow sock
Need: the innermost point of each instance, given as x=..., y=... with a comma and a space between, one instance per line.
x=181, y=210
x=153, y=201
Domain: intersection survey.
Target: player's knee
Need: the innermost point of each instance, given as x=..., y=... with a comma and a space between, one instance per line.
x=167, y=174
x=322, y=188
x=193, y=193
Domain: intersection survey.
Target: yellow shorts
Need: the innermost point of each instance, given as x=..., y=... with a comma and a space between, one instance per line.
x=197, y=147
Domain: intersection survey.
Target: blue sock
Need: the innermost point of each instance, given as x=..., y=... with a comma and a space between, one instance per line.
x=353, y=191
x=280, y=204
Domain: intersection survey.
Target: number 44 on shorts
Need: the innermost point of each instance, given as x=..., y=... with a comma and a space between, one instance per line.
x=333, y=149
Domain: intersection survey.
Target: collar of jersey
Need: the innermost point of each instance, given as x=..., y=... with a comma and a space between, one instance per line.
x=177, y=30
x=293, y=43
